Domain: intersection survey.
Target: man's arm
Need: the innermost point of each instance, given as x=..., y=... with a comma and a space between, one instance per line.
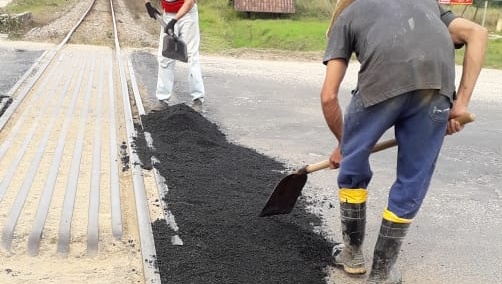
x=152, y=12
x=475, y=39
x=187, y=5
x=335, y=71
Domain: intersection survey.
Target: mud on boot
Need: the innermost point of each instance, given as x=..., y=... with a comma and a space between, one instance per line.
x=391, y=277
x=352, y=261
x=388, y=245
x=353, y=219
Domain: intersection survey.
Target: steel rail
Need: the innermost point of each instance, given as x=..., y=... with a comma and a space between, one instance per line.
x=47, y=56
x=63, y=245
x=149, y=257
x=150, y=267
x=15, y=212
x=162, y=188
x=49, y=185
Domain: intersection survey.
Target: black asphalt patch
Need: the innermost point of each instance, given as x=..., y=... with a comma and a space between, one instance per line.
x=216, y=191
x=13, y=63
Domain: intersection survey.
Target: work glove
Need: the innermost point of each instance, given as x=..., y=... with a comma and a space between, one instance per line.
x=151, y=10
x=169, y=29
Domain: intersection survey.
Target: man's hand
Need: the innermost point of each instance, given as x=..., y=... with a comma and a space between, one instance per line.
x=336, y=158
x=453, y=125
x=152, y=12
x=170, y=27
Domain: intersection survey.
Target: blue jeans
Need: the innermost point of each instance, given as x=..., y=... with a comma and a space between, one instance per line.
x=420, y=120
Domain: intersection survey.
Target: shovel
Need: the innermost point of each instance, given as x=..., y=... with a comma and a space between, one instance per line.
x=172, y=46
x=283, y=198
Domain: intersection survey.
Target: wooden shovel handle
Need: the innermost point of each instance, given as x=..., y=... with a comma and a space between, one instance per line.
x=315, y=167
x=464, y=119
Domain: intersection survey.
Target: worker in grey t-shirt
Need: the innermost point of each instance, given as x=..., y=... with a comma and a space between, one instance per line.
x=400, y=48
x=406, y=81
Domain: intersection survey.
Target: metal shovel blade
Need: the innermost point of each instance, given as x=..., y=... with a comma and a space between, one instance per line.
x=283, y=198
x=174, y=48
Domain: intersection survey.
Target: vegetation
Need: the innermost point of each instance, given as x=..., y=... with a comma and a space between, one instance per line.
x=224, y=28
x=493, y=58
x=43, y=11
x=476, y=12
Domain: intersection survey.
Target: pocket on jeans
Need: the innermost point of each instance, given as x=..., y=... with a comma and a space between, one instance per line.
x=440, y=109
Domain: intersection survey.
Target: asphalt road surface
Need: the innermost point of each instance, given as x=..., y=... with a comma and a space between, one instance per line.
x=15, y=60
x=270, y=120
x=273, y=107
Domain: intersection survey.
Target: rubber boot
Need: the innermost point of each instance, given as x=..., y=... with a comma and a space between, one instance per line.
x=388, y=245
x=350, y=255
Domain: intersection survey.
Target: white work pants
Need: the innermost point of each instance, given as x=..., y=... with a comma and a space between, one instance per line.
x=187, y=29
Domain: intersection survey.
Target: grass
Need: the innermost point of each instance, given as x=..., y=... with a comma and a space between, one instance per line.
x=43, y=11
x=493, y=58
x=278, y=34
x=494, y=54
x=473, y=14
x=223, y=28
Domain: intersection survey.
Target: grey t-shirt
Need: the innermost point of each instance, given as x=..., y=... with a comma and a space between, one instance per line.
x=402, y=46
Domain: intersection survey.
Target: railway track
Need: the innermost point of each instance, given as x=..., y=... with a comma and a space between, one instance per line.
x=71, y=185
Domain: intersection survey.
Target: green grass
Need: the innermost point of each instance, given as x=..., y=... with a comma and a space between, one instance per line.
x=494, y=54
x=224, y=28
x=278, y=34
x=493, y=57
x=43, y=11
x=35, y=6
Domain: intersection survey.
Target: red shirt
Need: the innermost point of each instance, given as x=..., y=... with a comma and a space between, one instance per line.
x=171, y=6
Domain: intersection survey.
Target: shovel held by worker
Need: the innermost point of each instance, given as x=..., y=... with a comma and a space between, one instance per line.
x=283, y=198
x=172, y=46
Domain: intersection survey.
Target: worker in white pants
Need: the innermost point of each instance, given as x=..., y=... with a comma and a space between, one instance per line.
x=182, y=18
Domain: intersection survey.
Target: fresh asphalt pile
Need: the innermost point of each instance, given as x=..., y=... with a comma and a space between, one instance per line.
x=216, y=191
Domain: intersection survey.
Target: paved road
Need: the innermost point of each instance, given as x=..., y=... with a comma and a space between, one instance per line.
x=15, y=60
x=273, y=107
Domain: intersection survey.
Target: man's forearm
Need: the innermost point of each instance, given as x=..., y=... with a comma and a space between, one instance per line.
x=475, y=38
x=474, y=57
x=335, y=71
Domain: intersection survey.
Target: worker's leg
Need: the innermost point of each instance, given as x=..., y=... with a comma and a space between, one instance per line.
x=420, y=131
x=166, y=72
x=190, y=34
